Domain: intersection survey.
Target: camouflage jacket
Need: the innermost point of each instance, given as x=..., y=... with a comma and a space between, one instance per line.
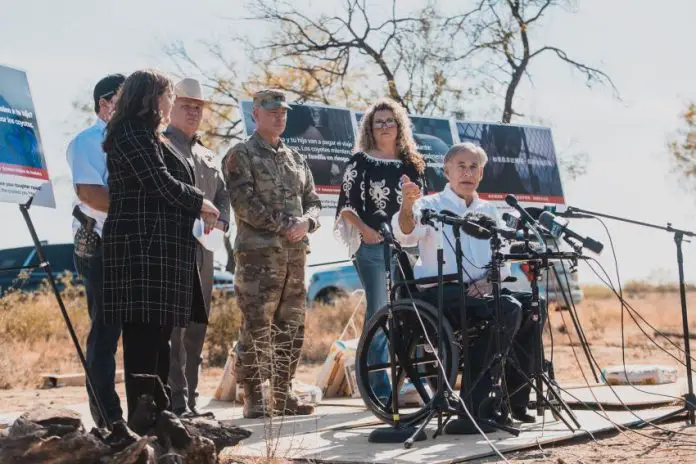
x=269, y=189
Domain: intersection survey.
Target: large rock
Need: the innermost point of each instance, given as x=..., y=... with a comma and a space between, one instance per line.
x=222, y=433
x=140, y=452
x=77, y=448
x=171, y=432
x=57, y=422
x=201, y=450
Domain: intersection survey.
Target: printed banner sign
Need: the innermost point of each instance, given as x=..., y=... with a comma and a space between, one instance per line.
x=521, y=159
x=23, y=169
x=325, y=135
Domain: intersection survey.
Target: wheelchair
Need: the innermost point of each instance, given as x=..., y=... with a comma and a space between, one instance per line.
x=416, y=347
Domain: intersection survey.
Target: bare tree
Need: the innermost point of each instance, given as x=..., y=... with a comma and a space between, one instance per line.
x=401, y=51
x=682, y=148
x=224, y=123
x=498, y=37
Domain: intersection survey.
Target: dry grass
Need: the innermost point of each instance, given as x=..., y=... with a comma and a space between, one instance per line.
x=35, y=339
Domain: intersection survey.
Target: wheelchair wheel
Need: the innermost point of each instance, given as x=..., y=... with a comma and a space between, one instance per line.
x=415, y=360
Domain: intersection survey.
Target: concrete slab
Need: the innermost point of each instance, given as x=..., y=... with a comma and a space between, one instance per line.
x=339, y=431
x=633, y=396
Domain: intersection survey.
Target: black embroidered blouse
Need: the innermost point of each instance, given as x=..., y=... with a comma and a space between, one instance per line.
x=371, y=185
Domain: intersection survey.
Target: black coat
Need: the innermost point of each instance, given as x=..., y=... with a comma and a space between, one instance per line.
x=150, y=273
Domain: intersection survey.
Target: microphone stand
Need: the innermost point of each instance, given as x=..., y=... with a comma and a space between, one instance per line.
x=399, y=432
x=689, y=398
x=539, y=376
x=440, y=402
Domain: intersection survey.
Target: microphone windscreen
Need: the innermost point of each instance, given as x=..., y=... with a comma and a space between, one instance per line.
x=546, y=219
x=535, y=212
x=511, y=199
x=519, y=247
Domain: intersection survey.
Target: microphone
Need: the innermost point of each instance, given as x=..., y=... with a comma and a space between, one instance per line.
x=384, y=227
x=469, y=224
x=557, y=226
x=525, y=217
x=521, y=247
x=511, y=221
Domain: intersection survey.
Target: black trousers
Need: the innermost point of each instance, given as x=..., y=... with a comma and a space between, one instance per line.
x=145, y=351
x=483, y=349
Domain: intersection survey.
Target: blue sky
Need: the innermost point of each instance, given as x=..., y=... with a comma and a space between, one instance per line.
x=67, y=46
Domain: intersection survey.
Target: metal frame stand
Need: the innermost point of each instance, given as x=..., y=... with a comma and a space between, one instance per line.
x=44, y=264
x=689, y=398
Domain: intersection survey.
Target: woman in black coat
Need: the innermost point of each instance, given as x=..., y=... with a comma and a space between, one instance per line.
x=151, y=283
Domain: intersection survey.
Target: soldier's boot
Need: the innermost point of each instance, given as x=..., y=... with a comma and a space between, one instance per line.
x=254, y=406
x=286, y=403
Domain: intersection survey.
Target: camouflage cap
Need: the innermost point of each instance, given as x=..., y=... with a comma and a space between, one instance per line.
x=270, y=99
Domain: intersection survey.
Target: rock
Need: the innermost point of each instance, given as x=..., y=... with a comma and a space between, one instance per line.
x=77, y=448
x=24, y=428
x=171, y=432
x=58, y=422
x=140, y=452
x=222, y=433
x=201, y=450
x=171, y=457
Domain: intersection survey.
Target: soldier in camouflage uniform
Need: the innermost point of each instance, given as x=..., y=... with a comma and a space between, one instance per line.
x=272, y=193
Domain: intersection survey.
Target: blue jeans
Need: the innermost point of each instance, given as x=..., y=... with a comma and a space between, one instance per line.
x=102, y=341
x=369, y=262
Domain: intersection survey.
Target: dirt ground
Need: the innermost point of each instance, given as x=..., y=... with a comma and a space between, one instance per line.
x=601, y=322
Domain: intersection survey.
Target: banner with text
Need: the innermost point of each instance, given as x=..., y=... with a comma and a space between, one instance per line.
x=325, y=136
x=23, y=169
x=521, y=160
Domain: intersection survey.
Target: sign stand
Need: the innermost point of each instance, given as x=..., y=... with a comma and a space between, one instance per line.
x=46, y=266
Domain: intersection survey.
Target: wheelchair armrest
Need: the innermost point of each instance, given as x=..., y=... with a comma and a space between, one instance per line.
x=428, y=280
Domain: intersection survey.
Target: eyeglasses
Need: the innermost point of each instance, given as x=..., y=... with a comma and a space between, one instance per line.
x=386, y=124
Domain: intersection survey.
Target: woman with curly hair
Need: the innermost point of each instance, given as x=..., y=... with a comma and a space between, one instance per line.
x=151, y=283
x=370, y=195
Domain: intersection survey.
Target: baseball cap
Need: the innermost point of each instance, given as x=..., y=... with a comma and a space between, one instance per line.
x=270, y=99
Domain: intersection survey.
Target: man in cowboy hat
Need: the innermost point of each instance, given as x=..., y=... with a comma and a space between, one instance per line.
x=181, y=137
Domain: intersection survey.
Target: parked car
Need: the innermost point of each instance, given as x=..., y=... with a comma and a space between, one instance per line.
x=60, y=256
x=341, y=280
x=223, y=280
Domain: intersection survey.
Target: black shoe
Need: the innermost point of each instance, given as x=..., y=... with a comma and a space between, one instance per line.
x=521, y=415
x=178, y=412
x=121, y=436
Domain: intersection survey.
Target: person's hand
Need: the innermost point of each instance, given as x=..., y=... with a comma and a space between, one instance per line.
x=371, y=236
x=410, y=192
x=480, y=288
x=209, y=208
x=298, y=230
x=209, y=221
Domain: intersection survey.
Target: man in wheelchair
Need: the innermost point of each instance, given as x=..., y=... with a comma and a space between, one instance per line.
x=464, y=164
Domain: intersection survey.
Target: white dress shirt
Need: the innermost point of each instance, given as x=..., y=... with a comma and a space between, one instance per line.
x=476, y=252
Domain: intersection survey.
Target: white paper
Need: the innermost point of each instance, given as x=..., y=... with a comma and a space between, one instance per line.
x=212, y=241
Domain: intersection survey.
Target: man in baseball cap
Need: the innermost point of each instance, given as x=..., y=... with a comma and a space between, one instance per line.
x=87, y=162
x=270, y=99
